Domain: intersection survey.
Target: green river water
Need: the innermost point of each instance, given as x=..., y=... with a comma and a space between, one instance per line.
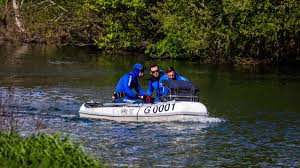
x=254, y=110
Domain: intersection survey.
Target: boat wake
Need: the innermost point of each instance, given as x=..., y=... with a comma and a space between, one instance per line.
x=204, y=119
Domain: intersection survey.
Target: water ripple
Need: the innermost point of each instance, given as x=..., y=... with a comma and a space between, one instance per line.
x=206, y=142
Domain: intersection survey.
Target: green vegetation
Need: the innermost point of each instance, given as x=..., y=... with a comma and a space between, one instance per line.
x=3, y=5
x=125, y=23
x=2, y=2
x=42, y=151
x=36, y=150
x=209, y=30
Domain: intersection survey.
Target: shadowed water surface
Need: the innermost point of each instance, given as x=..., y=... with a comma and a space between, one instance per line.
x=254, y=110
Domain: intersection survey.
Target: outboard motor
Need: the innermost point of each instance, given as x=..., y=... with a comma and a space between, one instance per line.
x=180, y=91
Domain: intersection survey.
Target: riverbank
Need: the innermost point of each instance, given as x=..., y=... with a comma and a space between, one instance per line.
x=255, y=32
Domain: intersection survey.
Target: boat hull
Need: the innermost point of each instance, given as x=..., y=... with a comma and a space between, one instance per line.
x=157, y=112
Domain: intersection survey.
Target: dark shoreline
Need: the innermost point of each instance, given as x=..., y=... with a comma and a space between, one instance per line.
x=240, y=61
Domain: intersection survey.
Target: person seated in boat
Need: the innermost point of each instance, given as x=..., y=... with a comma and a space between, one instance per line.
x=124, y=90
x=153, y=82
x=173, y=75
x=170, y=74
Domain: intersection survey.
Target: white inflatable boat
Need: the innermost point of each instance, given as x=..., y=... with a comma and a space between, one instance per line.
x=156, y=112
x=181, y=104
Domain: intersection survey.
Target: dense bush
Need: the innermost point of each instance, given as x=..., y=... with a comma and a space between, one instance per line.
x=42, y=151
x=228, y=29
x=126, y=23
x=214, y=30
x=217, y=30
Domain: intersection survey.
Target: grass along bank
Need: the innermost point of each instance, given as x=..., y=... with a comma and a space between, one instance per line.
x=36, y=150
x=42, y=150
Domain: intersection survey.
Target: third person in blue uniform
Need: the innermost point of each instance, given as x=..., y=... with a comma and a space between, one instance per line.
x=170, y=74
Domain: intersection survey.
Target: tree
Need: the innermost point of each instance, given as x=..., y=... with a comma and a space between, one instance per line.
x=125, y=23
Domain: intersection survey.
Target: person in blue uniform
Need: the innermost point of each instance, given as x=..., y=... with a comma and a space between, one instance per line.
x=170, y=74
x=128, y=88
x=173, y=75
x=153, y=82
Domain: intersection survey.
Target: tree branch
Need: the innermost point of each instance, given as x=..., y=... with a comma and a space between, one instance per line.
x=17, y=16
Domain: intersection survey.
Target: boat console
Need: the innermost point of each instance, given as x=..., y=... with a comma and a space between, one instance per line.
x=180, y=91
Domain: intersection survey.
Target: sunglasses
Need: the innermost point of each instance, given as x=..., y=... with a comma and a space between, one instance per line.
x=155, y=71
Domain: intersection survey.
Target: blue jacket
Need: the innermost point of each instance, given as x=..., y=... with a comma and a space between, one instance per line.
x=177, y=77
x=153, y=84
x=128, y=82
x=164, y=90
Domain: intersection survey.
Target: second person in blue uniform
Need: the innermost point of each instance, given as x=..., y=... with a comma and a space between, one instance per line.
x=153, y=82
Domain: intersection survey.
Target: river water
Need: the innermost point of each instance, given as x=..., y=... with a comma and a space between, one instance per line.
x=254, y=110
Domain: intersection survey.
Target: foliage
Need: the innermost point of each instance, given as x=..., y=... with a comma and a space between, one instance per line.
x=261, y=28
x=3, y=6
x=42, y=151
x=58, y=22
x=185, y=25
x=215, y=30
x=228, y=28
x=3, y=2
x=123, y=21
